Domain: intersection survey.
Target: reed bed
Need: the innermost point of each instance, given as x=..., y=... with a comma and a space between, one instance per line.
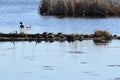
x=80, y=8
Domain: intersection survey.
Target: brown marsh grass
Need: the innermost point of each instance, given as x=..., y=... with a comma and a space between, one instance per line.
x=80, y=8
x=104, y=34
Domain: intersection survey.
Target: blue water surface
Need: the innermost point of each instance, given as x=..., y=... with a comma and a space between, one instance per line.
x=14, y=11
x=77, y=60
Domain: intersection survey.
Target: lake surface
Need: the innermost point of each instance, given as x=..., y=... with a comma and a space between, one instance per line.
x=77, y=60
x=14, y=11
x=59, y=61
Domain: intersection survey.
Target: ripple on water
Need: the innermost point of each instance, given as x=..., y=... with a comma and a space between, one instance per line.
x=113, y=65
x=30, y=58
x=27, y=74
x=90, y=73
x=2, y=54
x=83, y=62
x=48, y=67
x=11, y=48
x=113, y=47
x=76, y=52
x=118, y=78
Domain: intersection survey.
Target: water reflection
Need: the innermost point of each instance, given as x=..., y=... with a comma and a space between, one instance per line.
x=57, y=60
x=74, y=47
x=101, y=42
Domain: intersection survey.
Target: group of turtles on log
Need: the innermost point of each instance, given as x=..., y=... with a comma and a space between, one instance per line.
x=98, y=36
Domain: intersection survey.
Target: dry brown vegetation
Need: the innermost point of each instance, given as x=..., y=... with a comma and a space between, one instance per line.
x=104, y=34
x=100, y=8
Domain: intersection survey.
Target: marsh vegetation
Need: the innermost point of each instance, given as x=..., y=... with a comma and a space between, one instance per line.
x=81, y=8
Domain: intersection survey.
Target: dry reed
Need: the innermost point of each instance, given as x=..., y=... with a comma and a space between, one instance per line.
x=94, y=8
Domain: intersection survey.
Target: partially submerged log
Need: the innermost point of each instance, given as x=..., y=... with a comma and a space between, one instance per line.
x=57, y=37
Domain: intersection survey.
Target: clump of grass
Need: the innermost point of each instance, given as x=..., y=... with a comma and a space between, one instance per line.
x=101, y=8
x=103, y=34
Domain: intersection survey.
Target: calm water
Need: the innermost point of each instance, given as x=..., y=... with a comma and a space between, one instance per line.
x=14, y=11
x=58, y=60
